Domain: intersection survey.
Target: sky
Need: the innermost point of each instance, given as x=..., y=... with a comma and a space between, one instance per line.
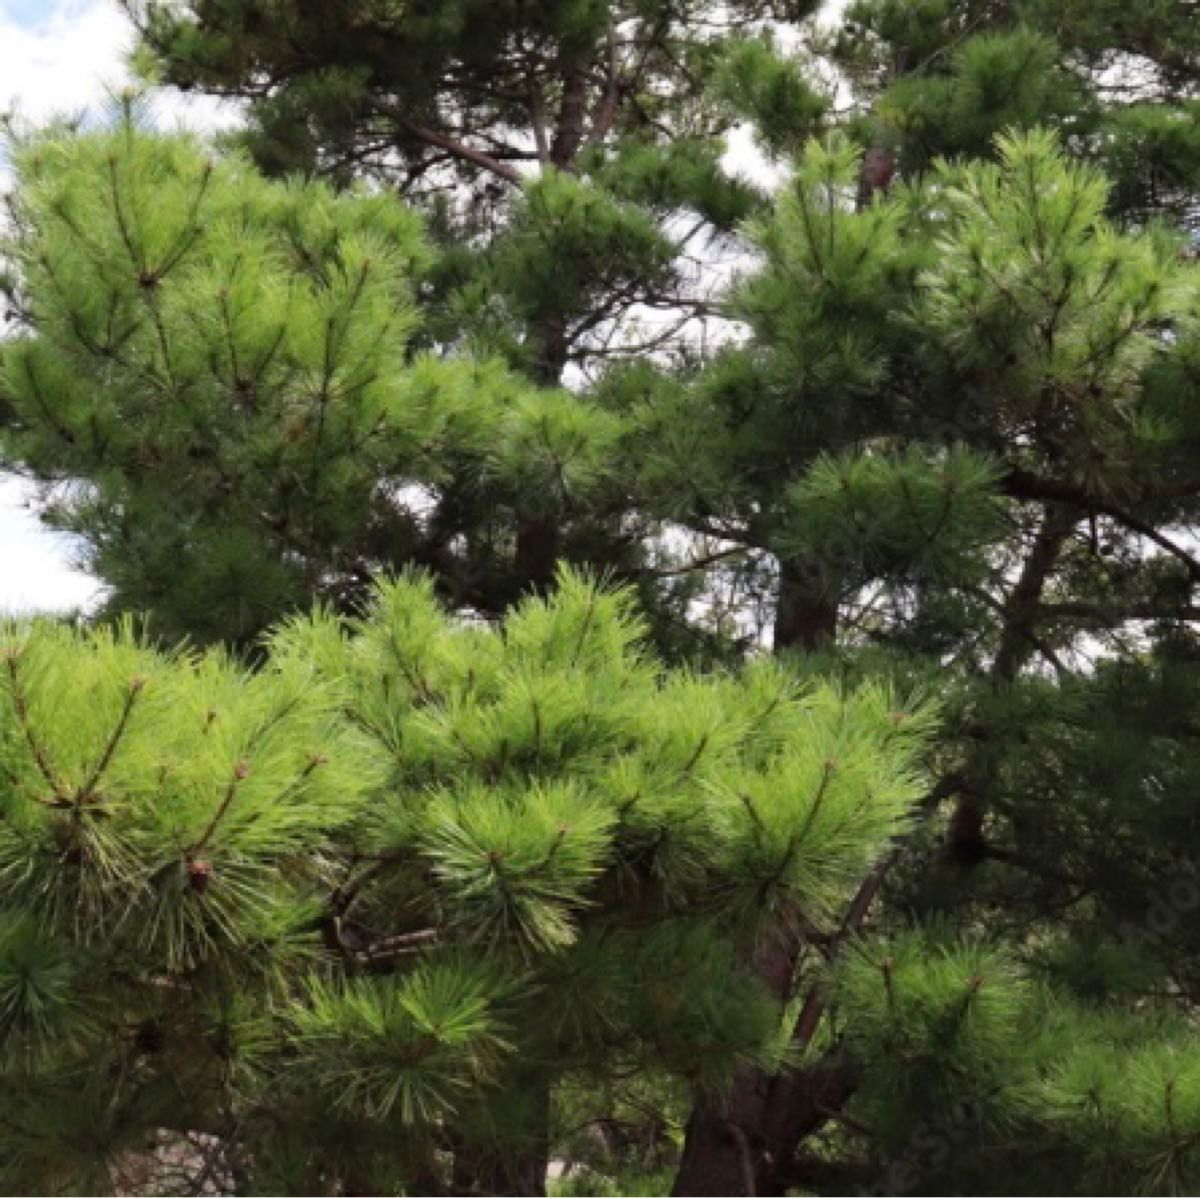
x=58, y=56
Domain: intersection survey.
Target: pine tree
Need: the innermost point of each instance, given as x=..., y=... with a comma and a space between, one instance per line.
x=950, y=444
x=217, y=379
x=345, y=923
x=569, y=155
x=965, y=382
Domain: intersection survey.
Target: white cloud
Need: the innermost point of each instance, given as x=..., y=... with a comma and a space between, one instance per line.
x=36, y=573
x=59, y=61
x=59, y=56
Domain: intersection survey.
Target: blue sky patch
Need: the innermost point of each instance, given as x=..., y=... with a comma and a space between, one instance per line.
x=28, y=12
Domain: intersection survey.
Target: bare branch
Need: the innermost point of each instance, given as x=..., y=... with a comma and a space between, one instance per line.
x=458, y=149
x=1119, y=613
x=390, y=948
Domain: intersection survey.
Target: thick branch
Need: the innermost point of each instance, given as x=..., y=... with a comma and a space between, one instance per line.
x=1023, y=630
x=699, y=563
x=1020, y=484
x=457, y=149
x=858, y=907
x=1017, y=637
x=605, y=114
x=568, y=134
x=1024, y=484
x=1119, y=613
x=391, y=948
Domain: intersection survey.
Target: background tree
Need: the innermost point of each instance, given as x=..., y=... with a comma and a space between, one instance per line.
x=851, y=386
x=215, y=376
x=569, y=155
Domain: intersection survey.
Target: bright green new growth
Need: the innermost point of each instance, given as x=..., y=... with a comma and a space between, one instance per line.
x=153, y=803
x=403, y=857
x=1036, y=288
x=229, y=349
x=966, y=1046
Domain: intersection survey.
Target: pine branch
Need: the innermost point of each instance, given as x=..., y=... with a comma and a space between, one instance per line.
x=1118, y=614
x=605, y=114
x=1020, y=484
x=240, y=771
x=1021, y=631
x=458, y=149
x=131, y=248
x=136, y=685
x=698, y=563
x=568, y=134
x=856, y=912
x=21, y=710
x=537, y=121
x=392, y=948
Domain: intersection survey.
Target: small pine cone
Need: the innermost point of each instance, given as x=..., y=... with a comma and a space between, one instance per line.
x=150, y=1037
x=199, y=875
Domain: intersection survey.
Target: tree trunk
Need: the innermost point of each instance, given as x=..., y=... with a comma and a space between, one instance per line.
x=572, y=114
x=732, y=1145
x=719, y=1154
x=1017, y=638
x=516, y=1164
x=745, y=1142
x=725, y=1144
x=966, y=840
x=518, y=1173
x=731, y=1141
x=806, y=609
x=538, y=537
x=537, y=552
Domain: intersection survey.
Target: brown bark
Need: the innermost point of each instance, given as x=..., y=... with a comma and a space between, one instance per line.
x=1021, y=611
x=517, y=1168
x=1021, y=484
x=875, y=176
x=452, y=146
x=572, y=115
x=726, y=1142
x=747, y=1143
x=967, y=841
x=538, y=537
x=806, y=609
x=732, y=1143
x=719, y=1157
x=537, y=552
x=605, y=114
x=522, y=1174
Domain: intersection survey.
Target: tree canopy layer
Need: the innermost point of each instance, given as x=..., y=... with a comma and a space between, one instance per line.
x=842, y=838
